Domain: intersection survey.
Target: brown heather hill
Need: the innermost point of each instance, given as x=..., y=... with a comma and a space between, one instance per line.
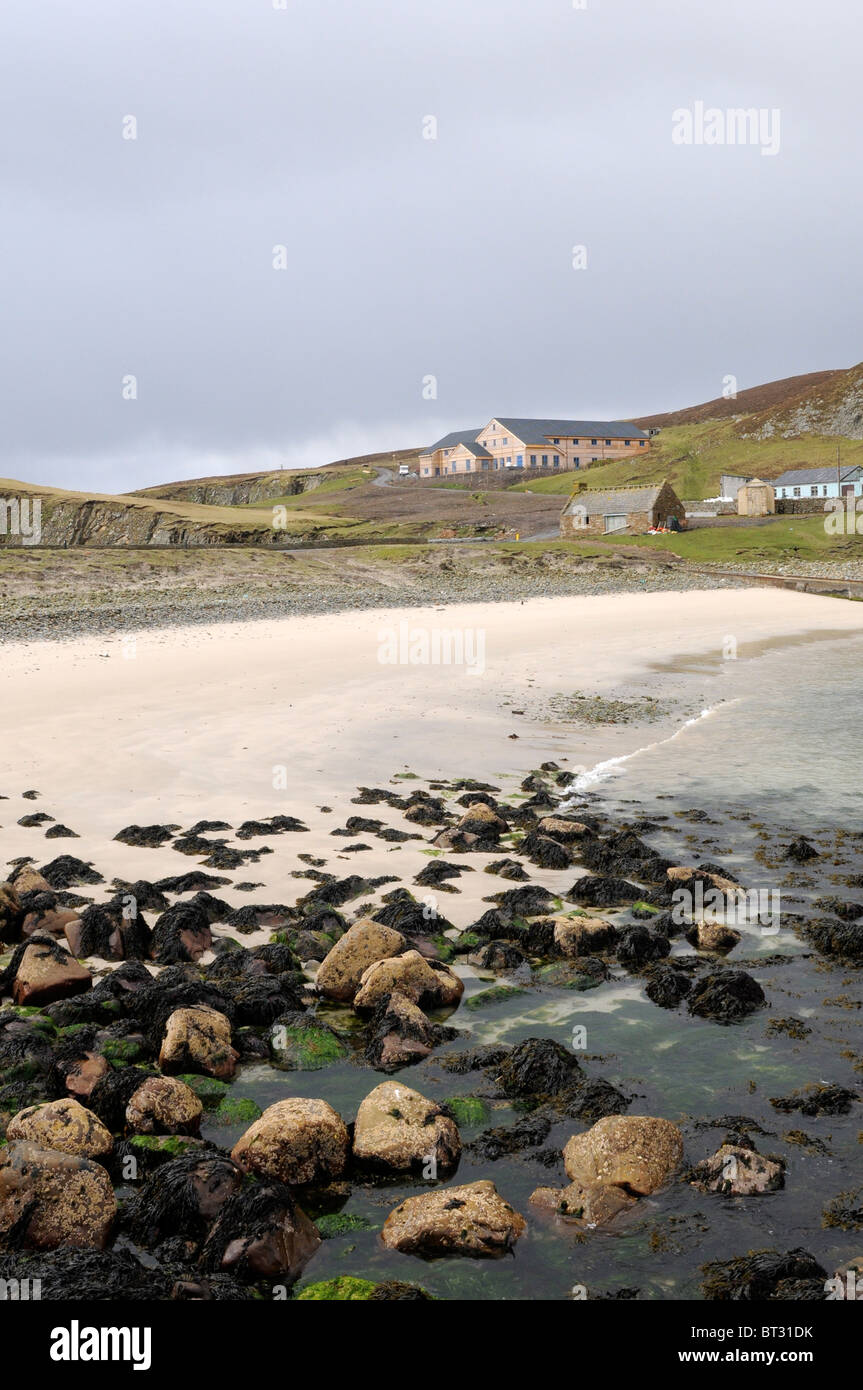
x=775, y=397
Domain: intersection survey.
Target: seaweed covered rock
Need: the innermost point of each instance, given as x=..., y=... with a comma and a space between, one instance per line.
x=428, y=984
x=666, y=985
x=365, y=943
x=10, y=912
x=765, y=1276
x=48, y=1198
x=198, y=1039
x=715, y=937
x=472, y=1220
x=726, y=996
x=538, y=1067
x=399, y=1130
x=638, y=946
x=88, y=1276
x=301, y=1042
x=400, y=1034
x=163, y=1105
x=181, y=934
x=110, y=932
x=818, y=1098
x=296, y=1141
x=833, y=937
x=600, y=891
x=261, y=1233
x=182, y=1199
x=64, y=1125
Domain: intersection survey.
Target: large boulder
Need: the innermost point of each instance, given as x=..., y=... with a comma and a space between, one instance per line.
x=46, y=971
x=471, y=1220
x=428, y=984
x=64, y=1125
x=50, y=1198
x=582, y=936
x=163, y=1105
x=636, y=1152
x=361, y=946
x=295, y=1141
x=399, y=1130
x=198, y=1040
x=611, y=1165
x=563, y=829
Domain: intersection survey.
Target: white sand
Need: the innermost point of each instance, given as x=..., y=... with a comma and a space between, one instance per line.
x=176, y=725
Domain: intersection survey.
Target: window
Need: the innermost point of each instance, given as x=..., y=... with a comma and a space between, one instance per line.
x=555, y=441
x=824, y=492
x=813, y=492
x=641, y=443
x=615, y=523
x=505, y=440
x=626, y=443
x=797, y=492
x=556, y=460
x=608, y=442
x=577, y=462
x=594, y=442
x=595, y=458
x=545, y=460
x=533, y=460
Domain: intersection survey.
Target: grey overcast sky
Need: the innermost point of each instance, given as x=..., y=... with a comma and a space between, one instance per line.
x=302, y=124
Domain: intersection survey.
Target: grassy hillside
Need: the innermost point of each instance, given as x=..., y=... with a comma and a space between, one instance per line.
x=692, y=457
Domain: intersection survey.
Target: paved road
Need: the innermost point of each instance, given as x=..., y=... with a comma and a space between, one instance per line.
x=383, y=478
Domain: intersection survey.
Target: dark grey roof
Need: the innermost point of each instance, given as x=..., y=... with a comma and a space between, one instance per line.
x=614, y=501
x=453, y=438
x=478, y=450
x=796, y=477
x=539, y=431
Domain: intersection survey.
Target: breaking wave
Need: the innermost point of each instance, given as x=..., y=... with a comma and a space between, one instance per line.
x=584, y=781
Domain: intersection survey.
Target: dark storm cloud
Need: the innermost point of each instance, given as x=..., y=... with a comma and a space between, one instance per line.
x=406, y=257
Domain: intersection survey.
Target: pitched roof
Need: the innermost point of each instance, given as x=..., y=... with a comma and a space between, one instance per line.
x=797, y=476
x=614, y=501
x=478, y=450
x=540, y=431
x=453, y=438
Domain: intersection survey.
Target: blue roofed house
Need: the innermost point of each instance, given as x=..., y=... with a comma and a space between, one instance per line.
x=509, y=442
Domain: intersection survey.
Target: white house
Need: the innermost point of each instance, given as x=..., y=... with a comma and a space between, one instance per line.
x=819, y=482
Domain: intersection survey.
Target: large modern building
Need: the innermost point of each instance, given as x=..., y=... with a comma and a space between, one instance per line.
x=544, y=444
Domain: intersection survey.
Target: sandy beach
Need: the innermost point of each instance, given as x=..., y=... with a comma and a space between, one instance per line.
x=253, y=719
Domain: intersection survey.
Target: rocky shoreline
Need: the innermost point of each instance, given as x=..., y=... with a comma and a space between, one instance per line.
x=141, y=1019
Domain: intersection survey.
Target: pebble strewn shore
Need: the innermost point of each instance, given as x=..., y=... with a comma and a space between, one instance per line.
x=61, y=615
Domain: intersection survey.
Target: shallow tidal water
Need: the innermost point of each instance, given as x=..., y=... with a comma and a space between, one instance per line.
x=758, y=773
